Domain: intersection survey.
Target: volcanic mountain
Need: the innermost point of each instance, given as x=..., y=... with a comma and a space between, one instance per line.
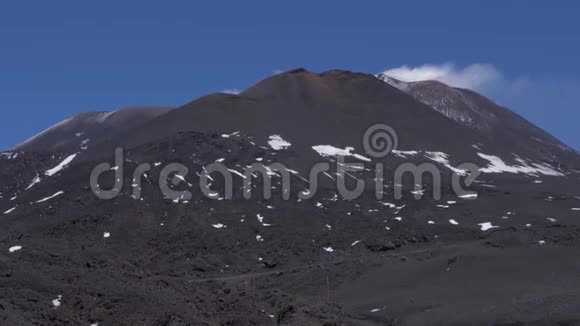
x=334, y=107
x=84, y=129
x=494, y=122
x=69, y=257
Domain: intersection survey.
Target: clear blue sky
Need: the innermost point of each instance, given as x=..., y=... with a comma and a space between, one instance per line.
x=59, y=58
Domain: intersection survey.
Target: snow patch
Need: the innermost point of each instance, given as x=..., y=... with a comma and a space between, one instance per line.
x=50, y=197
x=57, y=302
x=278, y=143
x=443, y=159
x=9, y=155
x=328, y=150
x=85, y=144
x=10, y=210
x=237, y=173
x=469, y=196
x=35, y=181
x=418, y=192
x=261, y=220
x=487, y=226
x=497, y=165
x=230, y=135
x=105, y=115
x=404, y=154
x=61, y=165
x=14, y=249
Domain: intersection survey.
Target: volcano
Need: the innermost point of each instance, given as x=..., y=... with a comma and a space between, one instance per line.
x=500, y=252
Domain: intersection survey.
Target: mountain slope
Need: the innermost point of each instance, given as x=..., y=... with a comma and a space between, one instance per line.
x=492, y=121
x=331, y=108
x=88, y=128
x=69, y=257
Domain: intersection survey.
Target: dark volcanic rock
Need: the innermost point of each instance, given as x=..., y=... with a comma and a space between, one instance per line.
x=70, y=258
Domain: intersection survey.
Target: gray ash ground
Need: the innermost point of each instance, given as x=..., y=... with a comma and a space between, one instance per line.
x=509, y=257
x=211, y=262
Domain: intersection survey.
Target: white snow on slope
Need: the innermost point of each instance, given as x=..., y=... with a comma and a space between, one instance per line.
x=105, y=115
x=487, y=226
x=9, y=155
x=10, y=211
x=34, y=181
x=328, y=150
x=61, y=165
x=278, y=143
x=237, y=173
x=443, y=159
x=50, y=197
x=230, y=135
x=57, y=302
x=497, y=165
x=404, y=154
x=261, y=220
x=469, y=196
x=85, y=144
